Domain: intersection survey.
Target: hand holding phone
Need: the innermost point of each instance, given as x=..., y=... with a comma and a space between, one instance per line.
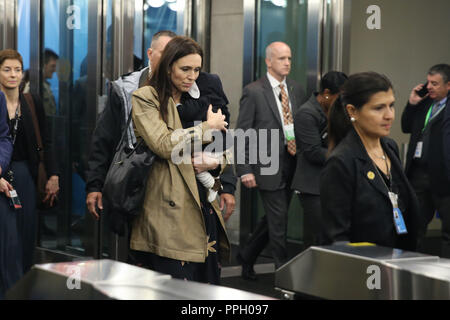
x=424, y=91
x=416, y=94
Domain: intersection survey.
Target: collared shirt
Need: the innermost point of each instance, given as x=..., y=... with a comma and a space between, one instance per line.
x=194, y=91
x=440, y=105
x=275, y=84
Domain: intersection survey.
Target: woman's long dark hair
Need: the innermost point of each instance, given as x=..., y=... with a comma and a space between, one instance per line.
x=175, y=49
x=357, y=91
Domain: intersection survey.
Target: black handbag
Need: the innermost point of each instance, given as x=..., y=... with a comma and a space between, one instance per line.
x=126, y=180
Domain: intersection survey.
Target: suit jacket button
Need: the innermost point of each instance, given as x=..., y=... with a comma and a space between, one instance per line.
x=172, y=204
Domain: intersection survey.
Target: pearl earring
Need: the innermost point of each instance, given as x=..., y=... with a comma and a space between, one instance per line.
x=352, y=119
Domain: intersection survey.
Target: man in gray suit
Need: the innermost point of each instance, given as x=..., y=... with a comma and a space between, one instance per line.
x=269, y=104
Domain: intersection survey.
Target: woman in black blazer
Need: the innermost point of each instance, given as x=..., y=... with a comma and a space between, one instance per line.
x=310, y=123
x=365, y=195
x=23, y=169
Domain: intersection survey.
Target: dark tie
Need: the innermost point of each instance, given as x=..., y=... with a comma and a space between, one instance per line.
x=436, y=108
x=287, y=119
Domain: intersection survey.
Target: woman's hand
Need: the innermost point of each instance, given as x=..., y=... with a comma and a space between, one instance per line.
x=51, y=190
x=216, y=120
x=5, y=187
x=204, y=161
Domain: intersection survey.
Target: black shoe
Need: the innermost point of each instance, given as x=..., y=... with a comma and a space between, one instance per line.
x=248, y=273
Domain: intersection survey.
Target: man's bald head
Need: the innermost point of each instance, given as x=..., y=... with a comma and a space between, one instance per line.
x=278, y=60
x=159, y=42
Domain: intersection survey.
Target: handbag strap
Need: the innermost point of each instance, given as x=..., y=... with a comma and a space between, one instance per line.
x=37, y=130
x=124, y=133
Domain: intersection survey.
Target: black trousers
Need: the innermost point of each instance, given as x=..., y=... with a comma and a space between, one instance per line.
x=313, y=227
x=271, y=229
x=429, y=203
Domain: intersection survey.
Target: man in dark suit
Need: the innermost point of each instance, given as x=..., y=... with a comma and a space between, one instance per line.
x=423, y=117
x=269, y=104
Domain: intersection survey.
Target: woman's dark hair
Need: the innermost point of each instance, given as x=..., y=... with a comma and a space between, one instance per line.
x=175, y=49
x=333, y=81
x=357, y=91
x=10, y=54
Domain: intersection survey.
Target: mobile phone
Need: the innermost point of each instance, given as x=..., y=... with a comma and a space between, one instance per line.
x=15, y=201
x=423, y=92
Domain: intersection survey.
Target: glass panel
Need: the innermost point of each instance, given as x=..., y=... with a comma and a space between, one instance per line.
x=161, y=15
x=23, y=31
x=108, y=67
x=48, y=220
x=327, y=46
x=64, y=92
x=282, y=20
x=138, y=35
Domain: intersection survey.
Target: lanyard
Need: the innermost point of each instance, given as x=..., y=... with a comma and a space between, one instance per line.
x=389, y=175
x=16, y=125
x=427, y=118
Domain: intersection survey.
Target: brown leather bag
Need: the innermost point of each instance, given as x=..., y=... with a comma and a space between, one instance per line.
x=42, y=173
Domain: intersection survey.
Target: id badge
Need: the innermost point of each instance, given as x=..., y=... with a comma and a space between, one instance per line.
x=15, y=201
x=400, y=226
x=289, y=132
x=399, y=222
x=418, y=152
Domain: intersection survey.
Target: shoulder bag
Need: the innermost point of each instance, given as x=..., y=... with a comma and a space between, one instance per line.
x=42, y=172
x=125, y=182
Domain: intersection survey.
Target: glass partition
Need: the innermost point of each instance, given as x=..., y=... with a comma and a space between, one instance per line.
x=23, y=39
x=282, y=20
x=64, y=82
x=161, y=15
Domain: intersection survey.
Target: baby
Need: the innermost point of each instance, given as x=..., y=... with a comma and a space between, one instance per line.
x=196, y=110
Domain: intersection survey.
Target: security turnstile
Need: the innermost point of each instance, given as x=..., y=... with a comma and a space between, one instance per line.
x=364, y=271
x=108, y=279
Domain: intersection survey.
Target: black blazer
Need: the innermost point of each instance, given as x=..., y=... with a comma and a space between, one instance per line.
x=356, y=208
x=259, y=110
x=310, y=123
x=446, y=133
x=32, y=145
x=413, y=119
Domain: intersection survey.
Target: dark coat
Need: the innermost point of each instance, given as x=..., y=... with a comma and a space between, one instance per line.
x=446, y=138
x=413, y=119
x=310, y=124
x=355, y=201
x=258, y=110
x=6, y=147
x=33, y=155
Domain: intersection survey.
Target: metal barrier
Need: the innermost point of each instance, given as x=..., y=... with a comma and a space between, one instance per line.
x=364, y=271
x=107, y=279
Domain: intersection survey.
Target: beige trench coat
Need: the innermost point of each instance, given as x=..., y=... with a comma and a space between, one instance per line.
x=171, y=223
